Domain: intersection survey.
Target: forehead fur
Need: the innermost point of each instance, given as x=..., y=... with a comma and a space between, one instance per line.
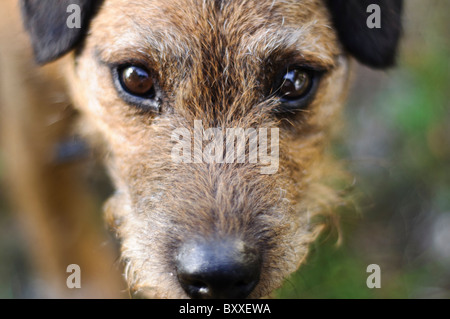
x=220, y=48
x=173, y=28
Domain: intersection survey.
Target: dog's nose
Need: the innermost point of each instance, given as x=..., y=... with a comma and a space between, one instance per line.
x=218, y=269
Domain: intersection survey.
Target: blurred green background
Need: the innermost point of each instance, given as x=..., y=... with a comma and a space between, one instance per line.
x=396, y=143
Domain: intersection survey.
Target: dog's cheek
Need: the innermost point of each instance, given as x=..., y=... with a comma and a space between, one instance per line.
x=84, y=85
x=116, y=210
x=93, y=94
x=331, y=95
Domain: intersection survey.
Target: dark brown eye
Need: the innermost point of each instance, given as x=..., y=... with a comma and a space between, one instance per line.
x=136, y=81
x=295, y=88
x=296, y=84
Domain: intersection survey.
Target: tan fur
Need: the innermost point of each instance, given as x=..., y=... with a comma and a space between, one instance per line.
x=209, y=58
x=52, y=201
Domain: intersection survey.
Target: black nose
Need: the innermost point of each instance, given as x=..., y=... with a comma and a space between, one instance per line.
x=218, y=269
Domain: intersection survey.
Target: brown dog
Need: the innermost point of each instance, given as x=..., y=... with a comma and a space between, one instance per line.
x=138, y=71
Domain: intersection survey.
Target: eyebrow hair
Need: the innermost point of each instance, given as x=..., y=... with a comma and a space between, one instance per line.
x=146, y=45
x=273, y=40
x=149, y=47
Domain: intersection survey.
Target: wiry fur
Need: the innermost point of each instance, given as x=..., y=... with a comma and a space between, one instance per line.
x=215, y=61
x=216, y=67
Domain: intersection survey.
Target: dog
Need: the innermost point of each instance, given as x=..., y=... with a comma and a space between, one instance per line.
x=134, y=78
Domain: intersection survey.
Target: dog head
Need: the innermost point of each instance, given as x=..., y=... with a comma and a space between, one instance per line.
x=160, y=81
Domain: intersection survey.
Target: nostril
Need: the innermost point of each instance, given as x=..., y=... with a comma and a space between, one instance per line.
x=218, y=269
x=194, y=288
x=242, y=284
x=199, y=285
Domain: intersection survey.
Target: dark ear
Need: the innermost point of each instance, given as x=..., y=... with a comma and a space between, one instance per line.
x=46, y=22
x=375, y=47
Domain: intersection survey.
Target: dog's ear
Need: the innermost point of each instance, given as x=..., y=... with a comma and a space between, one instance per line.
x=372, y=42
x=56, y=26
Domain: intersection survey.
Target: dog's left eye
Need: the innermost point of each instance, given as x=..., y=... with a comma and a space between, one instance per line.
x=296, y=84
x=296, y=88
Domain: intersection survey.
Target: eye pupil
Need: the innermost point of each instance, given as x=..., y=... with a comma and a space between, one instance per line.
x=136, y=80
x=296, y=84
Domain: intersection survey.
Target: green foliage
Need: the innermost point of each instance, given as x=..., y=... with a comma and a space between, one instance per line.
x=405, y=194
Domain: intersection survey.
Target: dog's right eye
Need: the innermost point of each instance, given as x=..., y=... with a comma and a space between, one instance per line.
x=137, y=86
x=136, y=81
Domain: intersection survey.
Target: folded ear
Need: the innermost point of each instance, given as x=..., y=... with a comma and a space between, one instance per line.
x=56, y=27
x=368, y=29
